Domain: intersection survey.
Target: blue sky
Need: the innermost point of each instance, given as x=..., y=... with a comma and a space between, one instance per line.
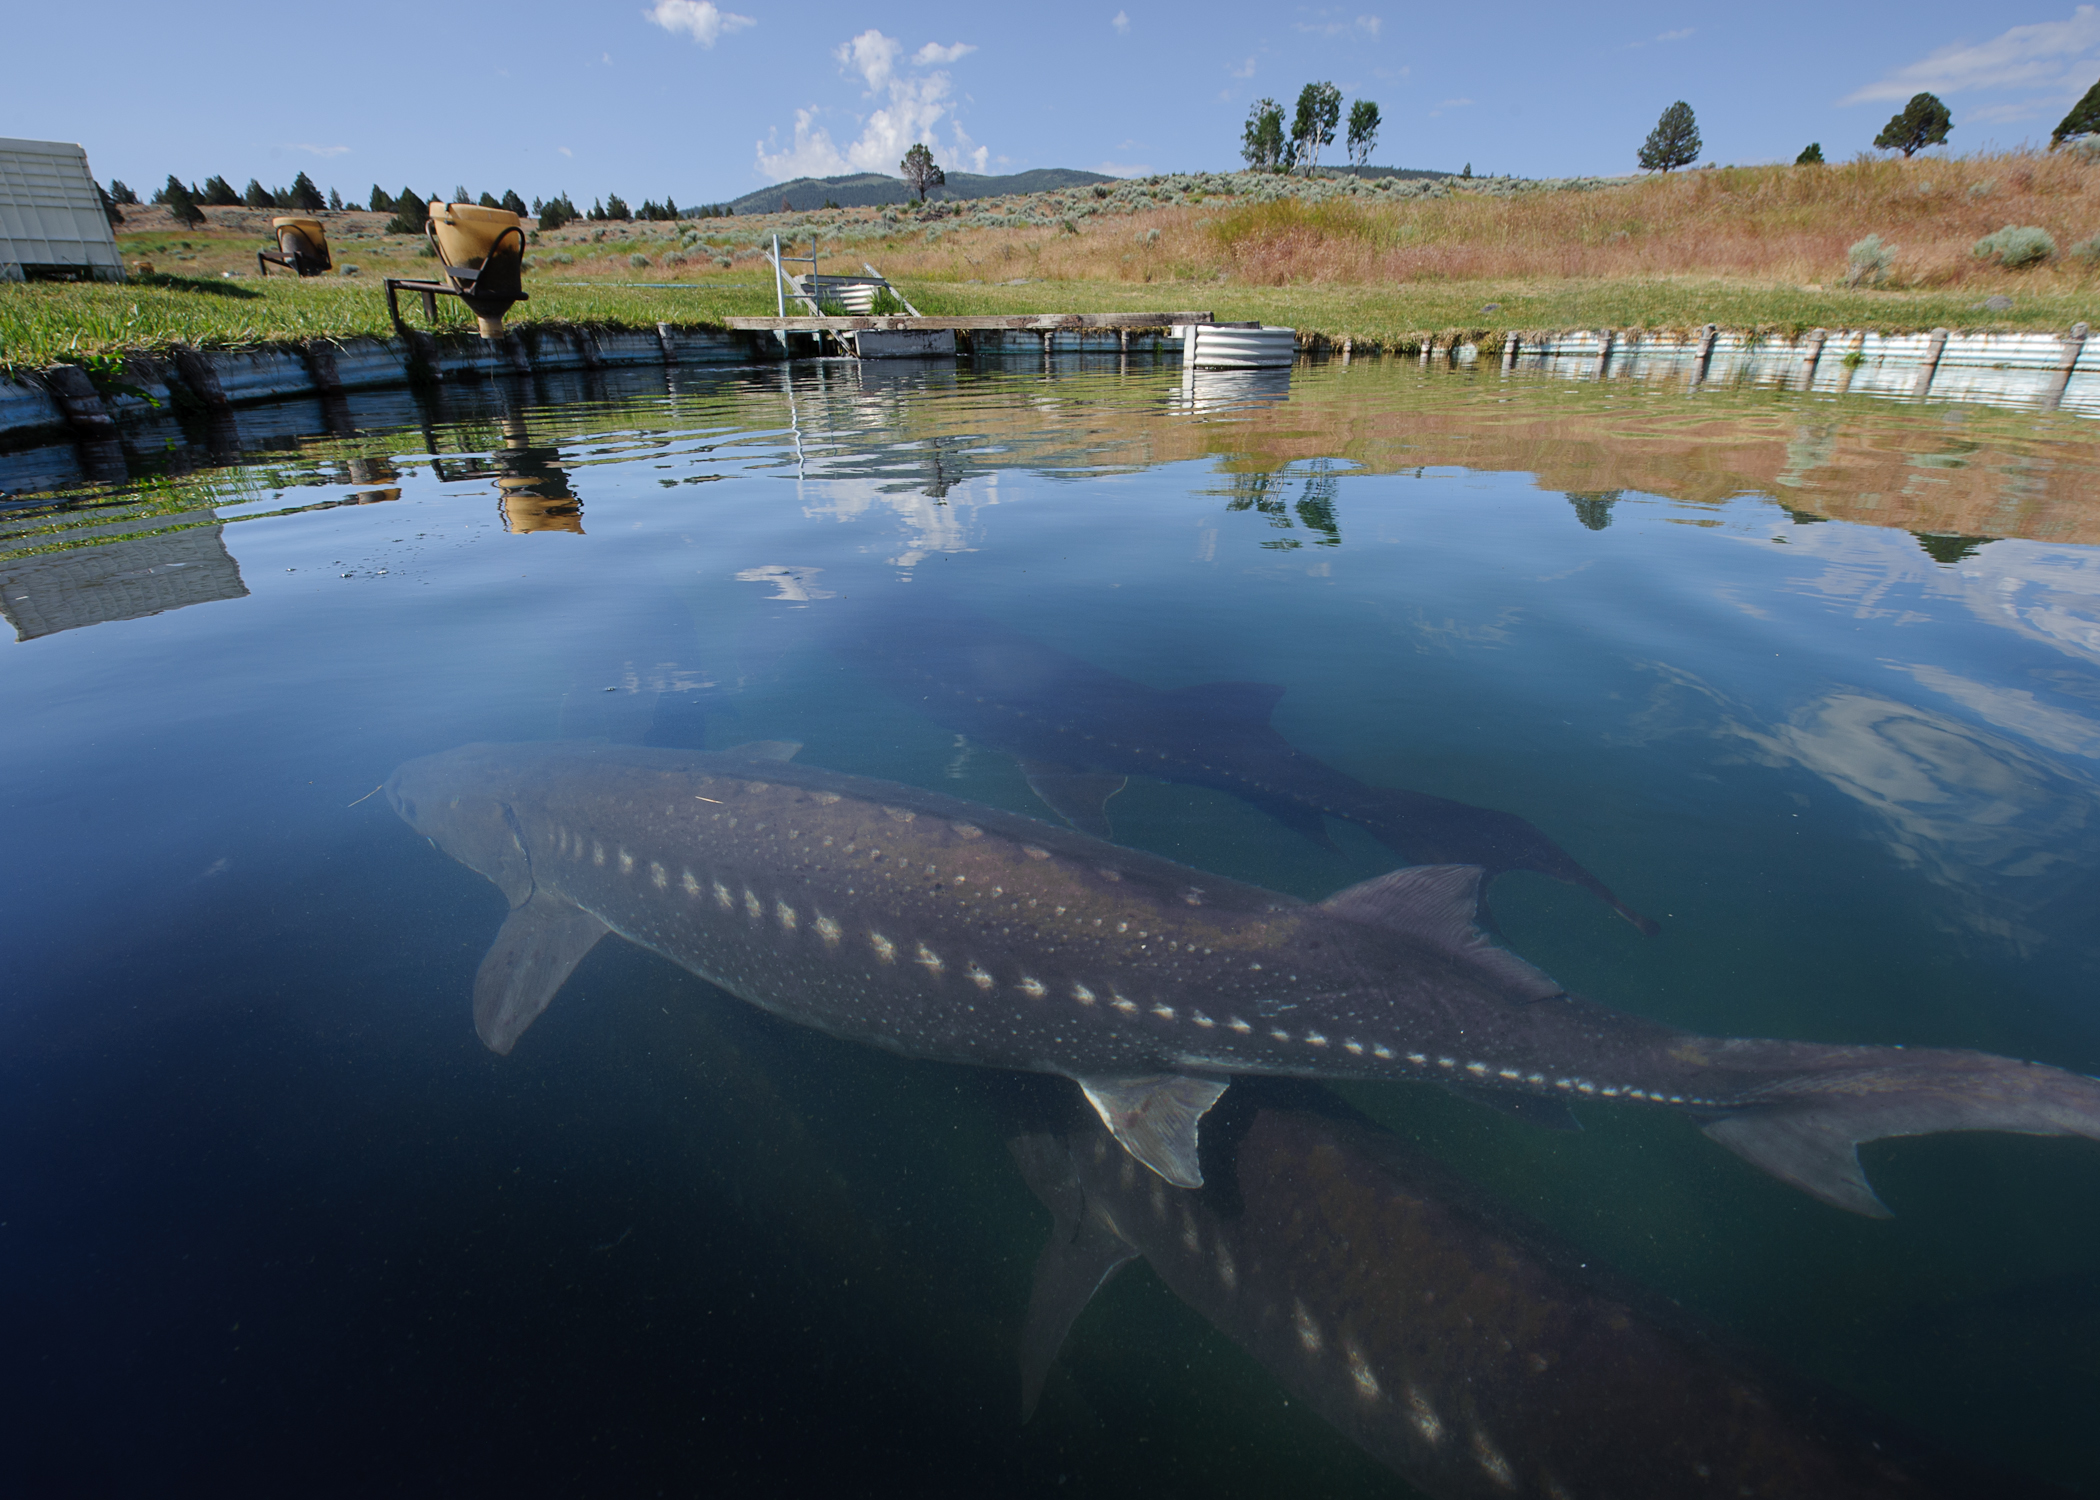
x=706, y=101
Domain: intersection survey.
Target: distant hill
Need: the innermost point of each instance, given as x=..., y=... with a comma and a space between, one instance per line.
x=861, y=189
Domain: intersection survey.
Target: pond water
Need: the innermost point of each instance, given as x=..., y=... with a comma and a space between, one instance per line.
x=1812, y=681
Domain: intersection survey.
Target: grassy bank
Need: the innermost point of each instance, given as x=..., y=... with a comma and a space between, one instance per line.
x=1754, y=249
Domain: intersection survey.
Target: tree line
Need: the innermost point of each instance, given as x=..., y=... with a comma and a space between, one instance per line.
x=408, y=207
x=1268, y=147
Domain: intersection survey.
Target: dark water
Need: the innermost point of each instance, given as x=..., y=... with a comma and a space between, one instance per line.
x=1815, y=681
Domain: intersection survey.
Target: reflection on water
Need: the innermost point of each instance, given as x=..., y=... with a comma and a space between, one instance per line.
x=1812, y=680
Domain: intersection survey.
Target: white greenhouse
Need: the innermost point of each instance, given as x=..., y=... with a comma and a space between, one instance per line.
x=51, y=217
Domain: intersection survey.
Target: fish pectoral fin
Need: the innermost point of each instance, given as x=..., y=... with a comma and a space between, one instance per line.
x=1532, y=1109
x=1154, y=1117
x=1077, y=1262
x=766, y=750
x=540, y=945
x=1079, y=797
x=1441, y=905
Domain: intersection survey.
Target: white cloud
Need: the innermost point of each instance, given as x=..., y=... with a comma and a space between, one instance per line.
x=321, y=150
x=872, y=55
x=1333, y=25
x=565, y=151
x=2037, y=56
x=700, y=19
x=934, y=53
x=1676, y=36
x=1444, y=104
x=1244, y=70
x=1121, y=23
x=908, y=110
x=1123, y=169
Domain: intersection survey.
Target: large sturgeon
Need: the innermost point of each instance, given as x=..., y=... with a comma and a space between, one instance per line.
x=1461, y=1347
x=1081, y=732
x=946, y=929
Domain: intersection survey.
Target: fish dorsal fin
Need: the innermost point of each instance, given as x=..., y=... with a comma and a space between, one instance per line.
x=1077, y=1262
x=1232, y=702
x=1079, y=797
x=765, y=750
x=1154, y=1117
x=540, y=945
x=1439, y=906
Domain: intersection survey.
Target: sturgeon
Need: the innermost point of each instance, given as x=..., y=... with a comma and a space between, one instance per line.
x=1081, y=732
x=949, y=930
x=1461, y=1347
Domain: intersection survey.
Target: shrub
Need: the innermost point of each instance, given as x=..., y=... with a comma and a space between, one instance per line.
x=638, y=260
x=673, y=259
x=2016, y=245
x=1867, y=262
x=1811, y=155
x=1983, y=188
x=2087, y=250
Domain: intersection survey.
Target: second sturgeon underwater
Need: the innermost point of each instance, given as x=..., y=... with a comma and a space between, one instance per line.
x=948, y=930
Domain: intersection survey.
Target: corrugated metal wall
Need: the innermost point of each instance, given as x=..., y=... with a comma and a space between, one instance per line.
x=50, y=213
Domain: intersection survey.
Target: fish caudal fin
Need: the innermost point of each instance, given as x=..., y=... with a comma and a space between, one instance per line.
x=540, y=945
x=1080, y=1257
x=1810, y=1132
x=1154, y=1117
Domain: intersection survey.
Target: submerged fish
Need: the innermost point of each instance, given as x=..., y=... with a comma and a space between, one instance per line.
x=945, y=929
x=1460, y=1348
x=1080, y=732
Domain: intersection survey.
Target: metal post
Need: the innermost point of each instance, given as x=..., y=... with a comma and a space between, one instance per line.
x=1813, y=356
x=2066, y=362
x=1935, y=346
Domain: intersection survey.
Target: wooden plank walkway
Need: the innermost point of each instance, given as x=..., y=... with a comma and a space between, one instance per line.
x=1016, y=322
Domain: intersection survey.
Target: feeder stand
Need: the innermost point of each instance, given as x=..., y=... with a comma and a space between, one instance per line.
x=483, y=253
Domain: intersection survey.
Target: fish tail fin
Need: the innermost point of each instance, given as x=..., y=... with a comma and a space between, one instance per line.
x=1810, y=1133
x=1079, y=1259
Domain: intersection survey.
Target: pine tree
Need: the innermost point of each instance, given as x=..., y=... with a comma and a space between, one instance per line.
x=409, y=213
x=616, y=208
x=1261, y=142
x=118, y=193
x=219, y=193
x=1319, y=111
x=597, y=213
x=180, y=204
x=2084, y=119
x=1363, y=131
x=110, y=211
x=335, y=201
x=1811, y=155
x=461, y=195
x=489, y=200
x=515, y=204
x=1674, y=142
x=258, y=196
x=1924, y=122
x=920, y=170
x=304, y=197
x=381, y=202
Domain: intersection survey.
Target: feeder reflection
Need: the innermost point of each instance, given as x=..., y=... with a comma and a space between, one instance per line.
x=534, y=486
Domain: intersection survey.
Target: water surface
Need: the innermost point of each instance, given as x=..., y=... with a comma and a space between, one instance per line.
x=1813, y=680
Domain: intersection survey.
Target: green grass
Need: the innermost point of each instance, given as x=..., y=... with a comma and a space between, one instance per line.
x=43, y=323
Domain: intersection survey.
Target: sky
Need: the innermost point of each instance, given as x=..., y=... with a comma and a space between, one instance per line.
x=705, y=102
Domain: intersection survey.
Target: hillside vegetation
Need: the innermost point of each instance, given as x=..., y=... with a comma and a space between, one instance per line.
x=1379, y=261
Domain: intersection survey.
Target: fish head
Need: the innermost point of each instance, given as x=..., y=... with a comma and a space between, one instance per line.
x=461, y=801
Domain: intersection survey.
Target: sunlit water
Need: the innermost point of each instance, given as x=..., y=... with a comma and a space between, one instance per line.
x=272, y=1219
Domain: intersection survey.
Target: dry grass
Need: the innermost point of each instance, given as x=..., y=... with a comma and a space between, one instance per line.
x=1768, y=224
x=1752, y=248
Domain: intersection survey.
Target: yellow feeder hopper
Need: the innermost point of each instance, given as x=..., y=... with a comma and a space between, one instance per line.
x=302, y=248
x=483, y=253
